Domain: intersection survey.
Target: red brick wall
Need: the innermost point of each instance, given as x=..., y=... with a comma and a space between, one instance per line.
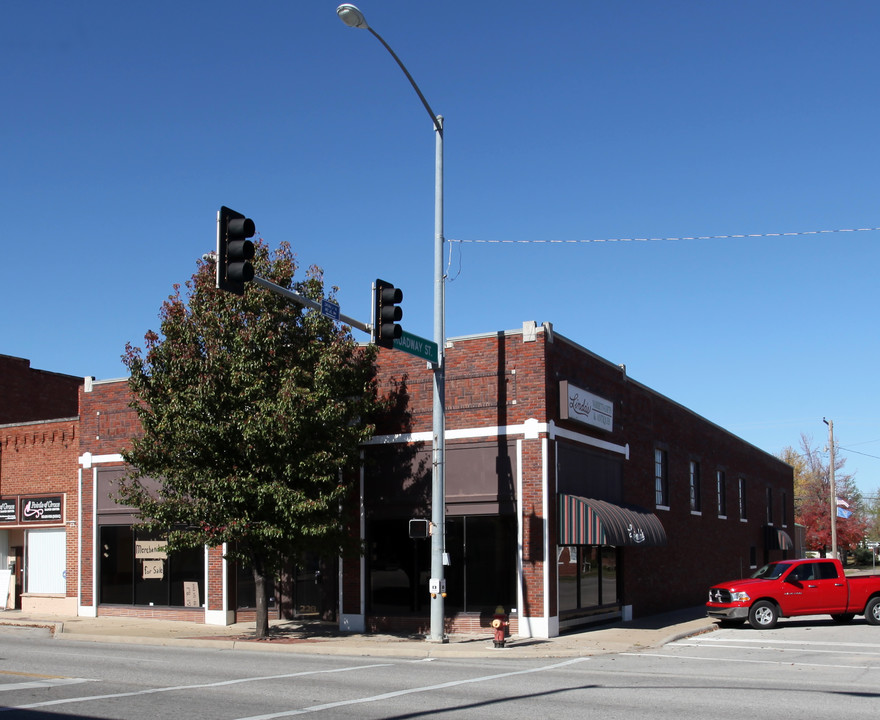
x=27, y=394
x=107, y=424
x=702, y=548
x=41, y=459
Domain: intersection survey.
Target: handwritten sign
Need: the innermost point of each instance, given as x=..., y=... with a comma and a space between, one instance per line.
x=150, y=549
x=154, y=569
x=190, y=594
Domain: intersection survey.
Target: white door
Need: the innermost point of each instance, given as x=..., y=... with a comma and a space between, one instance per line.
x=46, y=561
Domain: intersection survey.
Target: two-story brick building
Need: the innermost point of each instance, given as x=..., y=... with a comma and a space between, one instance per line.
x=573, y=493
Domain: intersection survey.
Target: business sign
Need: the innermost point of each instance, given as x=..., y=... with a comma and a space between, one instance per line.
x=7, y=511
x=582, y=406
x=41, y=509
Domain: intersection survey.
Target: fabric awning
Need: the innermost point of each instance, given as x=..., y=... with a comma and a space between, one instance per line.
x=778, y=539
x=586, y=521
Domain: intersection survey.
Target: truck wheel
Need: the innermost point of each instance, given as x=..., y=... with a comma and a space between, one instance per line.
x=872, y=611
x=764, y=614
x=843, y=618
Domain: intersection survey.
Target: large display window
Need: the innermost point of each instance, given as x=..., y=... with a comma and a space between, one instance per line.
x=136, y=569
x=481, y=574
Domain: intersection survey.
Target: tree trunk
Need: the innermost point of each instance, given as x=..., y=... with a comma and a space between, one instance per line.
x=261, y=630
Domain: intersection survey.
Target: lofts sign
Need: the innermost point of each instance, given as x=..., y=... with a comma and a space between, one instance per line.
x=580, y=405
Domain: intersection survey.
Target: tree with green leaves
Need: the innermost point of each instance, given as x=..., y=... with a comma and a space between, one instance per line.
x=253, y=410
x=812, y=499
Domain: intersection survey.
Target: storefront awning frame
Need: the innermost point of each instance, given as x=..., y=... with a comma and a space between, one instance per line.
x=588, y=521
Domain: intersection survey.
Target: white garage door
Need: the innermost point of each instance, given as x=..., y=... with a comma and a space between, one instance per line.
x=46, y=561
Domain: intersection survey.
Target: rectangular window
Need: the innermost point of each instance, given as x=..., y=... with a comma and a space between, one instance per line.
x=661, y=477
x=742, y=499
x=721, y=483
x=135, y=569
x=769, y=506
x=784, y=509
x=696, y=503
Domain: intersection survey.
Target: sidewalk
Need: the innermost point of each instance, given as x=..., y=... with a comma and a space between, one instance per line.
x=325, y=639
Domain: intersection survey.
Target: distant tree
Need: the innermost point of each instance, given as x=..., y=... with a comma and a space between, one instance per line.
x=872, y=509
x=253, y=410
x=812, y=499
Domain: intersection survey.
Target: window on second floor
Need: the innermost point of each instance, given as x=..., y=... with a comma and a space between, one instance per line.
x=743, y=515
x=694, y=483
x=721, y=484
x=661, y=477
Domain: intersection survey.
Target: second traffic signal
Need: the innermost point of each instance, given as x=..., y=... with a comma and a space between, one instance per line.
x=234, y=250
x=386, y=313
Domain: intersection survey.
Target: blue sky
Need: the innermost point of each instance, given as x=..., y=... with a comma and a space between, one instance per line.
x=125, y=127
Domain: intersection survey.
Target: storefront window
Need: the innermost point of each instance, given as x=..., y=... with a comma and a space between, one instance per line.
x=481, y=574
x=135, y=569
x=587, y=577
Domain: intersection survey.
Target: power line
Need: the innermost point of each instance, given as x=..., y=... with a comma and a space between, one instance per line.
x=659, y=239
x=859, y=453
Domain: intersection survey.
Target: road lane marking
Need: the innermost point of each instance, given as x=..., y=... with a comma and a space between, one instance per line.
x=409, y=691
x=808, y=643
x=44, y=683
x=221, y=683
x=787, y=663
x=816, y=651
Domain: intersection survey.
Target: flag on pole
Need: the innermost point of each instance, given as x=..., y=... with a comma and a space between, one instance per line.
x=843, y=513
x=841, y=501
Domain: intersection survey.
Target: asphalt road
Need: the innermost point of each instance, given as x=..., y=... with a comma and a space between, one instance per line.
x=802, y=669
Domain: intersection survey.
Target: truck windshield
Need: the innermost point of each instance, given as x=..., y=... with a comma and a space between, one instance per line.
x=772, y=570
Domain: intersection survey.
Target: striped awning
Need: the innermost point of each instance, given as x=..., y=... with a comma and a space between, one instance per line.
x=586, y=521
x=778, y=539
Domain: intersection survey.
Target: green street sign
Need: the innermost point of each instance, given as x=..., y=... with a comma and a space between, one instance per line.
x=418, y=346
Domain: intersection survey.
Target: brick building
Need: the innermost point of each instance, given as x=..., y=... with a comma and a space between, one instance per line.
x=39, y=508
x=573, y=494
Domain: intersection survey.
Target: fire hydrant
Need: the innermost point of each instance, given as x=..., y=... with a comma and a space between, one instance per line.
x=500, y=623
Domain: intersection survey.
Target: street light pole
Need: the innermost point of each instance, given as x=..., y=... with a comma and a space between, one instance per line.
x=830, y=424
x=351, y=16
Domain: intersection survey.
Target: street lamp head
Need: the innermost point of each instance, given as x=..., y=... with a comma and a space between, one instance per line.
x=351, y=16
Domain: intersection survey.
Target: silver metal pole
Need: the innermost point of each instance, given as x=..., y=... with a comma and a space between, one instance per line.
x=438, y=489
x=353, y=17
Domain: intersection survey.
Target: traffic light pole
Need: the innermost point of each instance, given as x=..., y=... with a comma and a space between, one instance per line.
x=308, y=302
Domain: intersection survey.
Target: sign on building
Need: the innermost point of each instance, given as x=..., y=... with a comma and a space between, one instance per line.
x=582, y=406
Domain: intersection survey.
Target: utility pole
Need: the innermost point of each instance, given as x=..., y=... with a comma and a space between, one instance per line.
x=830, y=424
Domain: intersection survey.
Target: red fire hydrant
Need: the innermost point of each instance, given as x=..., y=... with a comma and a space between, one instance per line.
x=500, y=622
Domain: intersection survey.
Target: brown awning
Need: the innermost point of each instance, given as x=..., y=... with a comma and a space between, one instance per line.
x=586, y=521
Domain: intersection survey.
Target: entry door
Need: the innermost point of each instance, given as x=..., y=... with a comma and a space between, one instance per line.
x=46, y=561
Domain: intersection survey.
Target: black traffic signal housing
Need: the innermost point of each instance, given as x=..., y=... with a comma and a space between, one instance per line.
x=234, y=250
x=386, y=313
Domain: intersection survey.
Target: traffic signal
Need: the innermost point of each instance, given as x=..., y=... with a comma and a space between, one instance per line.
x=386, y=313
x=234, y=250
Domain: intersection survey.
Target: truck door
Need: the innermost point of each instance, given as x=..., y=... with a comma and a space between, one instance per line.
x=815, y=588
x=798, y=587
x=832, y=592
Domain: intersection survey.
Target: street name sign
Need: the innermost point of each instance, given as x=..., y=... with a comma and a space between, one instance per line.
x=418, y=346
x=330, y=309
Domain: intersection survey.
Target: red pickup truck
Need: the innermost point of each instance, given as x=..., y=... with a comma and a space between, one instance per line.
x=795, y=587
